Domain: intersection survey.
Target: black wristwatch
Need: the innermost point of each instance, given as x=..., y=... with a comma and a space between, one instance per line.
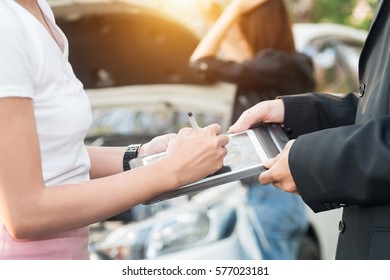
x=131, y=152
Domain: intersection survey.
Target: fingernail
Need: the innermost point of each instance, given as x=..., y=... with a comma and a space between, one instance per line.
x=233, y=127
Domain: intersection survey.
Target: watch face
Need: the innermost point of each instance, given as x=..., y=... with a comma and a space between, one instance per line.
x=133, y=150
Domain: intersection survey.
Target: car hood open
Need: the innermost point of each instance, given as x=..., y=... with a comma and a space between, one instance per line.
x=132, y=58
x=117, y=43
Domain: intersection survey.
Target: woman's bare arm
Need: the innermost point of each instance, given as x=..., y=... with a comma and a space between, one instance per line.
x=212, y=41
x=29, y=209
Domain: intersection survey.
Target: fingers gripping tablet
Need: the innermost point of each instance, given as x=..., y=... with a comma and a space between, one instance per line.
x=246, y=153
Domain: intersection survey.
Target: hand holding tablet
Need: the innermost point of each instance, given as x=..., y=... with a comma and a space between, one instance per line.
x=247, y=151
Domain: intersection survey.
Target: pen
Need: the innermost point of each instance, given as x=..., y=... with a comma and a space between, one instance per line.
x=192, y=120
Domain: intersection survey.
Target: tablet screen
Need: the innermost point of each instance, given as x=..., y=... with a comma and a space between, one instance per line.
x=243, y=153
x=246, y=153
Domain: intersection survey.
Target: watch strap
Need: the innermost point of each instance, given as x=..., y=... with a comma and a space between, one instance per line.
x=131, y=153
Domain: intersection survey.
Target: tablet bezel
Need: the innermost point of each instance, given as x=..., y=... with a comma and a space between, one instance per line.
x=255, y=168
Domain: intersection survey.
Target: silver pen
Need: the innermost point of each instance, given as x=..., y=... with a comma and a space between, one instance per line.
x=192, y=120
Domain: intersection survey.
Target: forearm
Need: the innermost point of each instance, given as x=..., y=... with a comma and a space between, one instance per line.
x=235, y=47
x=305, y=113
x=47, y=210
x=210, y=44
x=343, y=166
x=29, y=208
x=105, y=161
x=51, y=210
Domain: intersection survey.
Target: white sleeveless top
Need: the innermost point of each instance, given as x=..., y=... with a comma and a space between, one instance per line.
x=33, y=65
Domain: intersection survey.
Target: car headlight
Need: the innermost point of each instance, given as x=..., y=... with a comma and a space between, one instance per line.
x=168, y=231
x=163, y=233
x=123, y=243
x=177, y=232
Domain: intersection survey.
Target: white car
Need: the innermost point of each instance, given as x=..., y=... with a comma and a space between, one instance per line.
x=335, y=50
x=132, y=58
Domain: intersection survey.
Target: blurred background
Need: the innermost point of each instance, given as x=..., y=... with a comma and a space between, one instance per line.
x=334, y=11
x=132, y=57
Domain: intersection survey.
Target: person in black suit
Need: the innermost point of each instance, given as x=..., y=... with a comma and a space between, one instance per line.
x=251, y=45
x=341, y=153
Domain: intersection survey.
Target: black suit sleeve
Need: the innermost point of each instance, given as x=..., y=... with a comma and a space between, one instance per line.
x=341, y=164
x=305, y=113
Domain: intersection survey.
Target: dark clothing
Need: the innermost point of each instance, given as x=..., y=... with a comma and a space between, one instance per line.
x=270, y=74
x=346, y=161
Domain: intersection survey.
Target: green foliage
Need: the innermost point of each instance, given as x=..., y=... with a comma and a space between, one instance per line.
x=332, y=11
x=343, y=12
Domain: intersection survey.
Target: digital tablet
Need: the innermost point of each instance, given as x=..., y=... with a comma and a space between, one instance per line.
x=246, y=153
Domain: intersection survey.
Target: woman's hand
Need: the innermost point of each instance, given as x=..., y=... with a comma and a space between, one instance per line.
x=157, y=145
x=278, y=173
x=270, y=111
x=195, y=154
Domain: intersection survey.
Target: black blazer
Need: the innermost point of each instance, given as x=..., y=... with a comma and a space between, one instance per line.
x=341, y=157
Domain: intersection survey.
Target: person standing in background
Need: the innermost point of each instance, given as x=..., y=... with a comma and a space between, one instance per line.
x=251, y=45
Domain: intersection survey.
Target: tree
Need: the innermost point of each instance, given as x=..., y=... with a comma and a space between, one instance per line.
x=357, y=13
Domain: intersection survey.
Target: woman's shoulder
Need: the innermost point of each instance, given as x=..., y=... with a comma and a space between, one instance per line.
x=10, y=23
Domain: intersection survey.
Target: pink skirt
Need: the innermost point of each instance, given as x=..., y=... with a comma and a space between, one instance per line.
x=69, y=245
